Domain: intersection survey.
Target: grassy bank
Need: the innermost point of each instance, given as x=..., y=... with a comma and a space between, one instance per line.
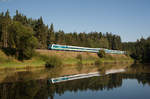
x=68, y=58
x=11, y=62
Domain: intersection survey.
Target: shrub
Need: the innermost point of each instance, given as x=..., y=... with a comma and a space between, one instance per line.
x=53, y=61
x=101, y=53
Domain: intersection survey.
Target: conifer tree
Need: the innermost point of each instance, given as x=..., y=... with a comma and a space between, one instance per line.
x=41, y=33
x=51, y=35
x=5, y=22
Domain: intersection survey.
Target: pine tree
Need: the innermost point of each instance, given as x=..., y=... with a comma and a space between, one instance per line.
x=51, y=35
x=21, y=18
x=41, y=33
x=5, y=22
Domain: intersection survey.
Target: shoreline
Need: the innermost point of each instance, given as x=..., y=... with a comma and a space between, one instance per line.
x=27, y=67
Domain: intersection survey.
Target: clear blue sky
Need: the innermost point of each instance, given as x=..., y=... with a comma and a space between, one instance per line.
x=128, y=18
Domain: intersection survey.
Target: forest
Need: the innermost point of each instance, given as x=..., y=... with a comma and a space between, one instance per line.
x=20, y=36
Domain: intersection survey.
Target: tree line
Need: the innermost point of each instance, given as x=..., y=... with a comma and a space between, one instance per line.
x=24, y=34
x=139, y=50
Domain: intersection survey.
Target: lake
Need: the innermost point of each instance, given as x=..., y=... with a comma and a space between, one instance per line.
x=132, y=82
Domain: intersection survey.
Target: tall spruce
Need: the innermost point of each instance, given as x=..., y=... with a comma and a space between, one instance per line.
x=5, y=22
x=41, y=33
x=21, y=18
x=51, y=35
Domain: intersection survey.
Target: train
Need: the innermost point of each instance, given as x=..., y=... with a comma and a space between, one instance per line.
x=82, y=49
x=84, y=75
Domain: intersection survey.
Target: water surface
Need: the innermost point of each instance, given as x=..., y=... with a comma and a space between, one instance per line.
x=134, y=83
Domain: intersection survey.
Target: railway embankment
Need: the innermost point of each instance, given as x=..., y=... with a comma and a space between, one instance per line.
x=67, y=58
x=87, y=58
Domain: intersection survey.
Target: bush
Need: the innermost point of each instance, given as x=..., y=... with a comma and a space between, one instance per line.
x=101, y=53
x=53, y=61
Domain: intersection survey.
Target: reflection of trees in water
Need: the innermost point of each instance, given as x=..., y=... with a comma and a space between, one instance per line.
x=18, y=76
x=30, y=75
x=40, y=89
x=143, y=78
x=94, y=83
x=24, y=90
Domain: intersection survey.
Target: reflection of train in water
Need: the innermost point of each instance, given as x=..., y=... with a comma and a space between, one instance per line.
x=85, y=75
x=74, y=77
x=82, y=49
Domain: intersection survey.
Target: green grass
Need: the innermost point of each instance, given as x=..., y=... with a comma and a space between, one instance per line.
x=25, y=64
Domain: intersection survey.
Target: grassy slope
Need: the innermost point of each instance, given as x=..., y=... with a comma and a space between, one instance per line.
x=68, y=58
x=88, y=58
x=11, y=62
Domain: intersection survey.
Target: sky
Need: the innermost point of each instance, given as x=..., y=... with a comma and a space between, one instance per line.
x=128, y=18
